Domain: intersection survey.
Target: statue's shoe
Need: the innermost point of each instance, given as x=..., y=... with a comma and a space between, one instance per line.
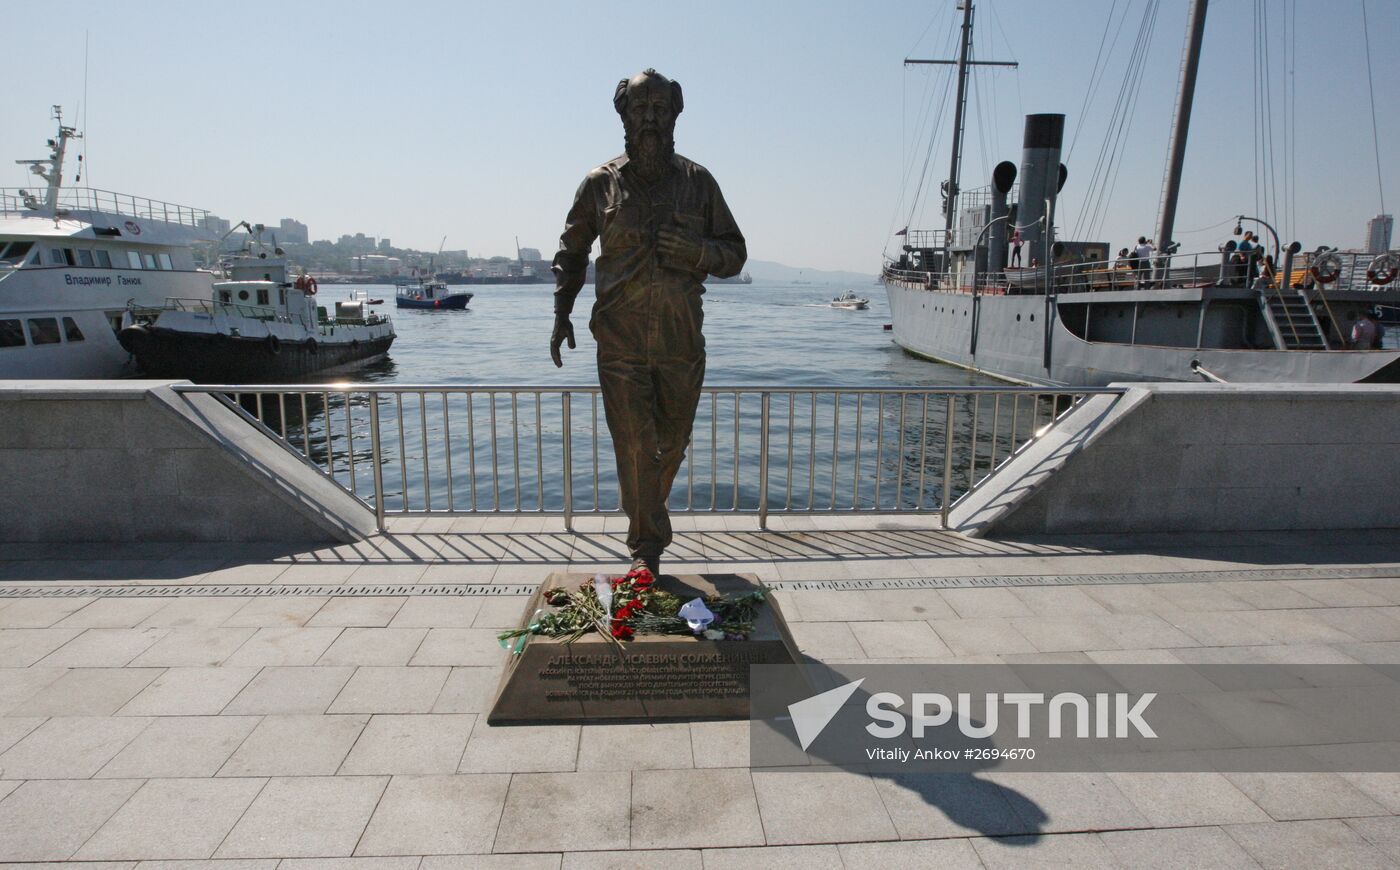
x=653, y=565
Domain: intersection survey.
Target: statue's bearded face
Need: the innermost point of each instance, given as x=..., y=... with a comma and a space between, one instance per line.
x=650, y=124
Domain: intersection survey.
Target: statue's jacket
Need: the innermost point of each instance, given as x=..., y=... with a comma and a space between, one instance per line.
x=646, y=308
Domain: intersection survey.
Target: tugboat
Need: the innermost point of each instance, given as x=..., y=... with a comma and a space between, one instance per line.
x=431, y=294
x=257, y=327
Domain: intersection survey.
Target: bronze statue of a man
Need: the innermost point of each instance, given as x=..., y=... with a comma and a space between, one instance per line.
x=664, y=226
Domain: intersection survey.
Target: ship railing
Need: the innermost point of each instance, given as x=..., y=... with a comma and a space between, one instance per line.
x=1354, y=276
x=1195, y=269
x=21, y=201
x=456, y=450
x=208, y=306
x=949, y=282
x=930, y=279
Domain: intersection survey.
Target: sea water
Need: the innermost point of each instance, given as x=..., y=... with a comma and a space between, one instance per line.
x=755, y=334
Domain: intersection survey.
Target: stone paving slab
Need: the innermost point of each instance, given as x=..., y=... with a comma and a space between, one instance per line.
x=345, y=728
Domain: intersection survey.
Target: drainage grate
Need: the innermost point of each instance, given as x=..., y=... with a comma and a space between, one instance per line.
x=40, y=589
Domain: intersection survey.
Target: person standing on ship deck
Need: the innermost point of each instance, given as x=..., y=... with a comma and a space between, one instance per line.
x=664, y=226
x=1016, y=248
x=1143, y=255
x=1366, y=334
x=1248, y=255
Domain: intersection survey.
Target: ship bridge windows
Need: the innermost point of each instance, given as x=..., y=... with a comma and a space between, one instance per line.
x=148, y=261
x=104, y=259
x=11, y=334
x=165, y=262
x=71, y=332
x=44, y=330
x=133, y=260
x=85, y=259
x=15, y=252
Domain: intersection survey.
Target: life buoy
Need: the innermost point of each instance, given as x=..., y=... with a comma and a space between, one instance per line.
x=1326, y=276
x=311, y=286
x=1383, y=269
x=274, y=345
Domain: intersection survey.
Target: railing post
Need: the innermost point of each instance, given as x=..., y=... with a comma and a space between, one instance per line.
x=568, y=463
x=375, y=457
x=763, y=463
x=947, y=498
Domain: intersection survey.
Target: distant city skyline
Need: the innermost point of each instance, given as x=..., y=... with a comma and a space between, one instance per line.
x=478, y=122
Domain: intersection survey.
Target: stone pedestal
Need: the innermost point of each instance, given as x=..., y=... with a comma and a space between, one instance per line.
x=651, y=677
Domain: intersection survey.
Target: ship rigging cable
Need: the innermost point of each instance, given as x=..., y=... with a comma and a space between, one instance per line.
x=1104, y=177
x=935, y=135
x=1011, y=53
x=932, y=121
x=926, y=114
x=1371, y=85
x=1265, y=162
x=1096, y=76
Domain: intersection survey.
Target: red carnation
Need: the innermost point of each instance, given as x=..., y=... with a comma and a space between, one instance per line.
x=622, y=632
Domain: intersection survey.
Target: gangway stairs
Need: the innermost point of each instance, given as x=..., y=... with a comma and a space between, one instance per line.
x=1291, y=320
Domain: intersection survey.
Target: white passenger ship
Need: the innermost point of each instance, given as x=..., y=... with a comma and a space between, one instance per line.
x=72, y=259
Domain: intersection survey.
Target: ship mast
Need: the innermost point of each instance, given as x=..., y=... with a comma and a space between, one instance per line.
x=954, y=170
x=1181, y=122
x=51, y=170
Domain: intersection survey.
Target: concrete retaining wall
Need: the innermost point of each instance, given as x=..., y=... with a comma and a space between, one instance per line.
x=136, y=461
x=1203, y=457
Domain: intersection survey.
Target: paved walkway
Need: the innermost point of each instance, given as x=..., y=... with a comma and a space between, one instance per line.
x=346, y=718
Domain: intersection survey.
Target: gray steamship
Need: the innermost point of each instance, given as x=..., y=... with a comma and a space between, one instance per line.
x=1069, y=315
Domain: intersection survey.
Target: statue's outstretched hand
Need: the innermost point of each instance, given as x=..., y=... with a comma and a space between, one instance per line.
x=563, y=330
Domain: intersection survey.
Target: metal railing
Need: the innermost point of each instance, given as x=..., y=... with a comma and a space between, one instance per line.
x=12, y=201
x=451, y=450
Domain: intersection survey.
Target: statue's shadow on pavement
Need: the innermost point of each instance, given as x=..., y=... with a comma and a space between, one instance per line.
x=922, y=803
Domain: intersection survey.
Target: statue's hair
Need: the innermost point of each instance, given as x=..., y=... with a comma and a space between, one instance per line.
x=620, y=95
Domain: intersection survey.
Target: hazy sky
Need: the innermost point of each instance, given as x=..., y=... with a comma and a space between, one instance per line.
x=476, y=121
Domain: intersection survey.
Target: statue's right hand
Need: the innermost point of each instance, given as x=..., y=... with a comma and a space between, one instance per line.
x=563, y=330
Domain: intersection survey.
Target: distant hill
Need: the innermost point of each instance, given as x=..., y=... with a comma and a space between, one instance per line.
x=767, y=270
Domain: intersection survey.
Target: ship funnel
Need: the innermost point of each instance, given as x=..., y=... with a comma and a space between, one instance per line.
x=1003, y=176
x=1041, y=178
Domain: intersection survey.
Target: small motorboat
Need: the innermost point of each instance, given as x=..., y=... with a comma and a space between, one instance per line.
x=850, y=300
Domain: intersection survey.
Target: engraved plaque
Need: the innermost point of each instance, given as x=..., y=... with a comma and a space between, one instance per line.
x=651, y=677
